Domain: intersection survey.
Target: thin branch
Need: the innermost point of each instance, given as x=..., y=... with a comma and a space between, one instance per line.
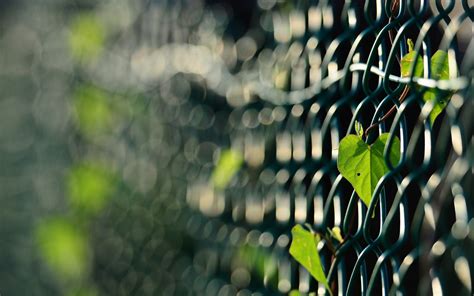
x=389, y=113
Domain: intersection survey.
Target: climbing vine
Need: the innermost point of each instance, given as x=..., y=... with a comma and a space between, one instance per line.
x=364, y=164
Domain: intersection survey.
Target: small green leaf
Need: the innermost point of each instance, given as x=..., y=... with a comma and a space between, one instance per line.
x=94, y=113
x=439, y=105
x=229, y=164
x=439, y=71
x=83, y=291
x=363, y=165
x=259, y=261
x=63, y=247
x=411, y=45
x=304, y=248
x=406, y=63
x=90, y=186
x=336, y=234
x=87, y=37
x=298, y=293
x=408, y=60
x=359, y=129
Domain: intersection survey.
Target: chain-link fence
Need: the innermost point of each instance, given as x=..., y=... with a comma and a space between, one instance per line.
x=169, y=147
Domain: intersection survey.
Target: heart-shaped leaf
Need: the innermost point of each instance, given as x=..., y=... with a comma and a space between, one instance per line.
x=363, y=165
x=229, y=164
x=439, y=71
x=304, y=248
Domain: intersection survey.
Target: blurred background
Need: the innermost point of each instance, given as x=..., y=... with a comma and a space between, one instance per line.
x=105, y=119
x=162, y=147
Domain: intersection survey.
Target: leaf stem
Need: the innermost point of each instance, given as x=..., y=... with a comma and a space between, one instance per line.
x=330, y=244
x=389, y=113
x=394, y=8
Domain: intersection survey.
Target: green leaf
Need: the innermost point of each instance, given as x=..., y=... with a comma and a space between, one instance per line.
x=90, y=186
x=406, y=63
x=363, y=165
x=83, y=291
x=336, y=234
x=64, y=248
x=304, y=248
x=258, y=260
x=440, y=66
x=94, y=113
x=229, y=164
x=359, y=129
x=439, y=71
x=298, y=293
x=87, y=37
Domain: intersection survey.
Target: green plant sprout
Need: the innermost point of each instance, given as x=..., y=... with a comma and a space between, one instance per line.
x=335, y=233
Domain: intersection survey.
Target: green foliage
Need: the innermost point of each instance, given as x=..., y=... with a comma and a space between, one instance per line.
x=83, y=291
x=304, y=248
x=406, y=62
x=64, y=248
x=298, y=293
x=87, y=37
x=94, y=113
x=363, y=165
x=359, y=129
x=335, y=233
x=229, y=164
x=258, y=261
x=90, y=186
x=439, y=71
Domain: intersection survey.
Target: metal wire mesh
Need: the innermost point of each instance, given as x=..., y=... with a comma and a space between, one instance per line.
x=179, y=83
